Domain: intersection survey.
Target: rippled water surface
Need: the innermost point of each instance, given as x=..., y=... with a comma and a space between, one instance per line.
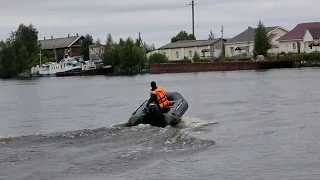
x=239, y=125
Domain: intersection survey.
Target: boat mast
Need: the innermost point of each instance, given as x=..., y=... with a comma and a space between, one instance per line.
x=39, y=43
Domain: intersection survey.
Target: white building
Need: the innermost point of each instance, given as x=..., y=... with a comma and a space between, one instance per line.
x=244, y=42
x=311, y=39
x=298, y=38
x=187, y=48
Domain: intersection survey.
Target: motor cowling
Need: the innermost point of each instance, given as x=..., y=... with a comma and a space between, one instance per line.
x=152, y=108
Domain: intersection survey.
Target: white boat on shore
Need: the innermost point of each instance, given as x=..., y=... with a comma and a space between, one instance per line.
x=51, y=68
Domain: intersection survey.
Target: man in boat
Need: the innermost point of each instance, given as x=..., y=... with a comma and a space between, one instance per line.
x=159, y=97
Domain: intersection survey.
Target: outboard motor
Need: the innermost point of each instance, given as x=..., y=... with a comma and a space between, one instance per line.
x=152, y=108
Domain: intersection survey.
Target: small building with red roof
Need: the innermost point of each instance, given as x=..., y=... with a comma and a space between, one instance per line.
x=302, y=38
x=243, y=43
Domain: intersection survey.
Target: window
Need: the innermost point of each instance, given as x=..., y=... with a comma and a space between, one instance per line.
x=232, y=50
x=294, y=46
x=216, y=46
x=177, y=54
x=190, y=54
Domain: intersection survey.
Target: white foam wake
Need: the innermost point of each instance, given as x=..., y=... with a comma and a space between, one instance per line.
x=195, y=122
x=185, y=121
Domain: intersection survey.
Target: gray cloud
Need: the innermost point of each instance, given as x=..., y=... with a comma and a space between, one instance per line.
x=157, y=20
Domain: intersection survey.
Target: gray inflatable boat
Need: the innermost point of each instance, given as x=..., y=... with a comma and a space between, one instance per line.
x=171, y=116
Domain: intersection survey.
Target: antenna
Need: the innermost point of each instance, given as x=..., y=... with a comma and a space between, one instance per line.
x=192, y=5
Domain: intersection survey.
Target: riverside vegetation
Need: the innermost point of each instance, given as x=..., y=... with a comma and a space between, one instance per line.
x=19, y=52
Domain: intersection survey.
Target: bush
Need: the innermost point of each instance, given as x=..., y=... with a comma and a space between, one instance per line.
x=157, y=58
x=186, y=58
x=306, y=56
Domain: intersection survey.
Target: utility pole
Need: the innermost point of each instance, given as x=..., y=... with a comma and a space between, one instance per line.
x=192, y=5
x=222, y=47
x=221, y=36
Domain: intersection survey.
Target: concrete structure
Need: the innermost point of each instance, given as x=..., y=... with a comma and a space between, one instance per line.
x=187, y=48
x=62, y=47
x=299, y=38
x=243, y=42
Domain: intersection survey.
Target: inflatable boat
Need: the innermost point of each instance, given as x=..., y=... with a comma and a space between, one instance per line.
x=151, y=115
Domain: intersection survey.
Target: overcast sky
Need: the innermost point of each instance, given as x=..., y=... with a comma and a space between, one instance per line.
x=157, y=20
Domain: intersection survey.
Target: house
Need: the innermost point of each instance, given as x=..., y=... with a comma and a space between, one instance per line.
x=63, y=47
x=186, y=48
x=96, y=52
x=294, y=41
x=243, y=43
x=311, y=38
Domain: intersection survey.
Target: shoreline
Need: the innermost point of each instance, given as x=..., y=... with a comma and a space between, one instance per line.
x=191, y=67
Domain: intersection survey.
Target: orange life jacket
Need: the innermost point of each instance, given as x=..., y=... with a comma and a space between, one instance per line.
x=161, y=97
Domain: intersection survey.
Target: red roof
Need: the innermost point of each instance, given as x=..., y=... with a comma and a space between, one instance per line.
x=298, y=31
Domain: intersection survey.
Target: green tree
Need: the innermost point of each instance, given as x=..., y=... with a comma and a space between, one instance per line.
x=29, y=38
x=7, y=65
x=261, y=43
x=111, y=54
x=108, y=51
x=149, y=48
x=196, y=56
x=211, y=35
x=132, y=57
x=18, y=53
x=183, y=35
x=157, y=58
x=127, y=56
x=85, y=46
x=98, y=42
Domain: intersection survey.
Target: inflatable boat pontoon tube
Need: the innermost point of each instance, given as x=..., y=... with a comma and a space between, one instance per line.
x=170, y=117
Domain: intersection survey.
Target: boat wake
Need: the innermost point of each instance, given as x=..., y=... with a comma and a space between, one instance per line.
x=105, y=149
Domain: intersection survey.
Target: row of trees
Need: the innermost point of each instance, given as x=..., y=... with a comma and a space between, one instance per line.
x=127, y=56
x=20, y=52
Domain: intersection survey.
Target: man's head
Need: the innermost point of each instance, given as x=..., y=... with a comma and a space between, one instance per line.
x=153, y=85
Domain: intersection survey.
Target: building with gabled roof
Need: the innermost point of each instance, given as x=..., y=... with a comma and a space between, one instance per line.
x=187, y=48
x=64, y=46
x=243, y=42
x=311, y=39
x=294, y=40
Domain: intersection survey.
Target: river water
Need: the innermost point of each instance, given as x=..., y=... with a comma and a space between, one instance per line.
x=239, y=125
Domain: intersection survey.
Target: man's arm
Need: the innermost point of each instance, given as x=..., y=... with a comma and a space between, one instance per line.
x=152, y=98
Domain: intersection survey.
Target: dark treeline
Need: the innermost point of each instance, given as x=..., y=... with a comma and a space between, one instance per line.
x=127, y=56
x=19, y=52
